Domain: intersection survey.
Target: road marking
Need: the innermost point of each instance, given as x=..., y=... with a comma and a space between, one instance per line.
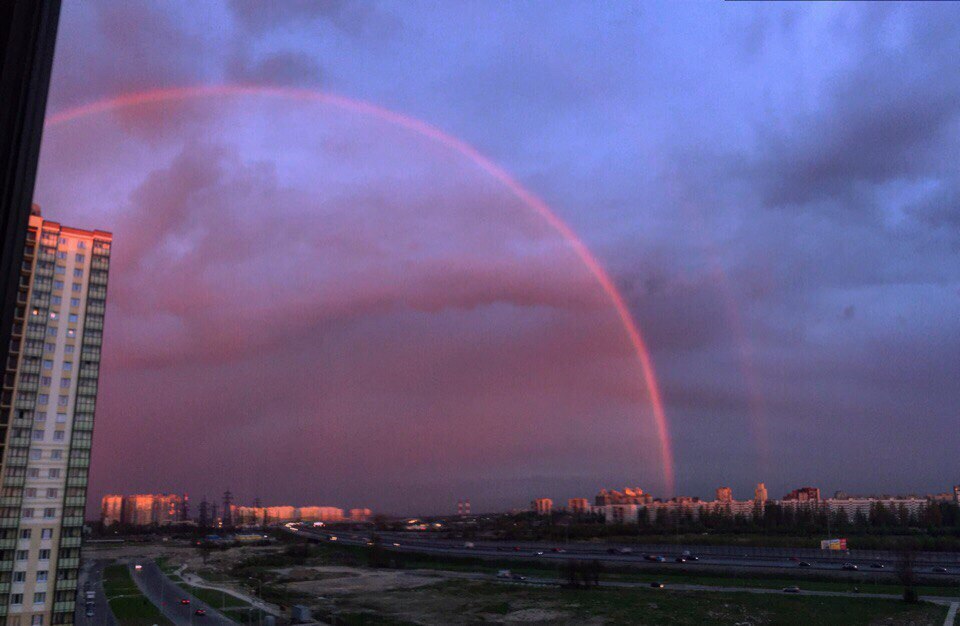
x=951, y=614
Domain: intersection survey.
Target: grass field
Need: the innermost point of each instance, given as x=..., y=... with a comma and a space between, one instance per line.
x=129, y=606
x=475, y=602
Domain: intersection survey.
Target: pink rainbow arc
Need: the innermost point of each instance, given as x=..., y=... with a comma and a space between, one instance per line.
x=424, y=129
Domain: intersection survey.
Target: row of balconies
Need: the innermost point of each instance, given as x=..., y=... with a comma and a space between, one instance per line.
x=76, y=481
x=97, y=292
x=73, y=521
x=14, y=481
x=98, y=278
x=72, y=501
x=67, y=584
x=99, y=262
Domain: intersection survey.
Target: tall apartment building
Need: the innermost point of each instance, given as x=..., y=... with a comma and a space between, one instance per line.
x=46, y=419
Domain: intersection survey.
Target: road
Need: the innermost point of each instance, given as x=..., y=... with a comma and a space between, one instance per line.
x=165, y=594
x=91, y=579
x=879, y=565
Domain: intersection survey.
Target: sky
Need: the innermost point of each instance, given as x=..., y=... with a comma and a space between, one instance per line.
x=313, y=304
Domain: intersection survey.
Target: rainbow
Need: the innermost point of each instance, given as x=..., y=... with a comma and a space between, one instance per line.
x=526, y=197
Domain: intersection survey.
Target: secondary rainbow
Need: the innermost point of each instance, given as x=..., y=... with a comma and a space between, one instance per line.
x=528, y=198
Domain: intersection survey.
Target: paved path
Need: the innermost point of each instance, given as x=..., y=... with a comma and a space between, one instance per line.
x=196, y=581
x=951, y=615
x=166, y=595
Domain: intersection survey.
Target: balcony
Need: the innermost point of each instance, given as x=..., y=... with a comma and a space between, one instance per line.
x=92, y=340
x=8, y=501
x=67, y=584
x=30, y=368
x=8, y=544
x=66, y=606
x=46, y=254
x=14, y=481
x=33, y=349
x=71, y=542
x=100, y=263
x=4, y=588
x=81, y=444
x=74, y=562
x=91, y=354
x=74, y=481
x=100, y=293
x=83, y=425
x=8, y=522
x=98, y=278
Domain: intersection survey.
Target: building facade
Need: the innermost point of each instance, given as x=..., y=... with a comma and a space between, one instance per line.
x=542, y=506
x=47, y=407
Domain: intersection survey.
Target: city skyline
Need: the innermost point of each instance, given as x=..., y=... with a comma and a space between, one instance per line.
x=311, y=301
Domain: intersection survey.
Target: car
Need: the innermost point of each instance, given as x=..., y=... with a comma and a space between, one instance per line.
x=333, y=537
x=138, y=567
x=396, y=545
x=791, y=590
x=656, y=558
x=538, y=553
x=200, y=612
x=89, y=610
x=657, y=585
x=518, y=577
x=877, y=565
x=939, y=570
x=803, y=564
x=849, y=567
x=692, y=557
x=681, y=559
x=557, y=550
x=184, y=600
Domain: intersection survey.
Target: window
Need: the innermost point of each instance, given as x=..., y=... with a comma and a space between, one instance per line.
x=47, y=514
x=59, y=270
x=35, y=454
x=78, y=273
x=19, y=577
x=53, y=472
x=37, y=620
x=79, y=258
x=23, y=555
x=58, y=284
x=46, y=533
x=58, y=435
x=56, y=300
x=38, y=434
x=25, y=533
x=16, y=598
x=30, y=493
x=62, y=255
x=65, y=383
x=58, y=454
x=33, y=472
x=42, y=576
x=50, y=347
x=81, y=244
x=67, y=366
x=63, y=242
x=51, y=493
x=27, y=513
x=46, y=381
x=48, y=365
x=39, y=597
x=74, y=301
x=63, y=400
x=73, y=318
x=43, y=398
x=71, y=333
x=54, y=315
x=40, y=418
x=45, y=554
x=68, y=349
x=61, y=419
x=52, y=331
x=76, y=287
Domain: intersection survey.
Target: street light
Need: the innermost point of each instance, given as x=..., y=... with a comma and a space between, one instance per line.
x=260, y=598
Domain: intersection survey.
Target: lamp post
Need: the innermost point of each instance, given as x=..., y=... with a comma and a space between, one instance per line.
x=260, y=598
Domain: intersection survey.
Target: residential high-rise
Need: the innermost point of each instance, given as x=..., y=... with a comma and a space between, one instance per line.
x=47, y=408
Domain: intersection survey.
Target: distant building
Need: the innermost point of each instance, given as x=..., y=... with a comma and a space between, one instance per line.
x=803, y=495
x=630, y=495
x=111, y=510
x=542, y=506
x=321, y=514
x=760, y=496
x=142, y=510
x=363, y=515
x=724, y=494
x=578, y=505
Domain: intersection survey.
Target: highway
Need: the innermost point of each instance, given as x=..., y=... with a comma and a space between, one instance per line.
x=165, y=594
x=876, y=565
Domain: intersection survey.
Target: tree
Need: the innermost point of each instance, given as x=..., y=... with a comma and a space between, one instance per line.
x=906, y=559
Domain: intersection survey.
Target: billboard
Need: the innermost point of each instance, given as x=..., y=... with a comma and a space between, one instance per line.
x=833, y=544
